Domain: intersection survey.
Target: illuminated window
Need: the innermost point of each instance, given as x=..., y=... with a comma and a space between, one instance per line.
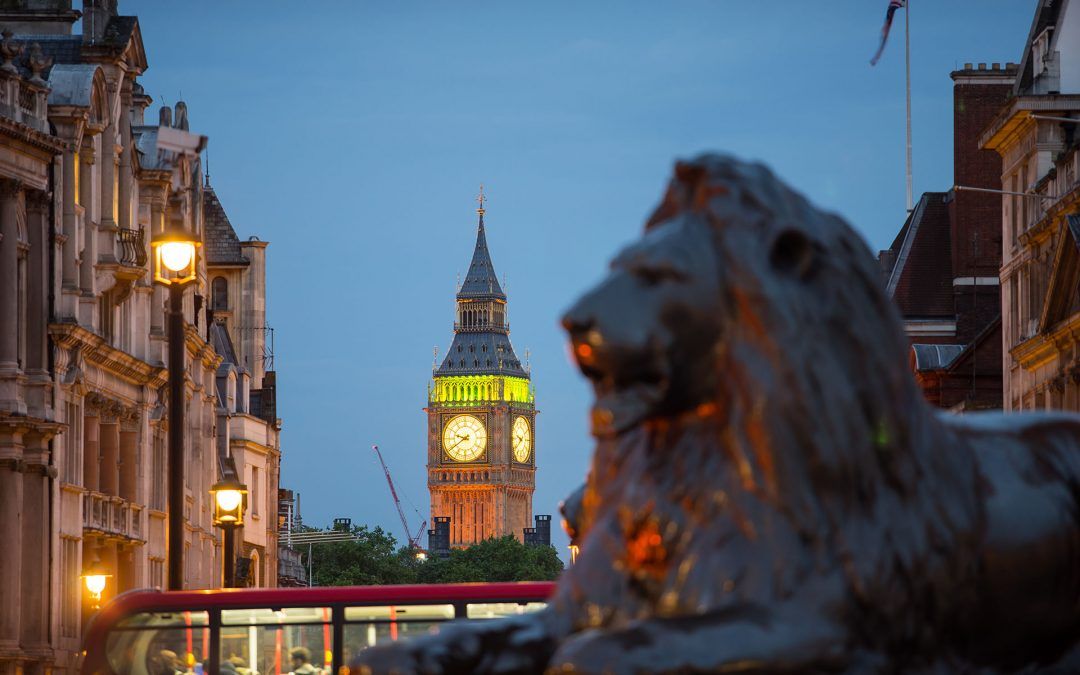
x=219, y=293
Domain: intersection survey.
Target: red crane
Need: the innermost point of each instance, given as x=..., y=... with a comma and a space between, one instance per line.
x=414, y=541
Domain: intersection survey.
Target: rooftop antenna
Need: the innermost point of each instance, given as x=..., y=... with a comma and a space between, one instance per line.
x=206, y=154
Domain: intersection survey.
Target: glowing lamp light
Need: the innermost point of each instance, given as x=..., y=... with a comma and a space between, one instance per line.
x=230, y=498
x=175, y=257
x=421, y=556
x=94, y=578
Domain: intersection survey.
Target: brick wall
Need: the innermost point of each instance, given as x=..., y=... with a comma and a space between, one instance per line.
x=978, y=95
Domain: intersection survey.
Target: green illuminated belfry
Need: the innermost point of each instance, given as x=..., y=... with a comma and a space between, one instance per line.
x=481, y=416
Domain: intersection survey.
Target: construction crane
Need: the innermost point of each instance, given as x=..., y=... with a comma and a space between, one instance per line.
x=414, y=541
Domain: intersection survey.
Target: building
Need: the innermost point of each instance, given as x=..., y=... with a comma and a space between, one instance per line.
x=291, y=569
x=1036, y=136
x=481, y=418
x=247, y=422
x=85, y=182
x=941, y=270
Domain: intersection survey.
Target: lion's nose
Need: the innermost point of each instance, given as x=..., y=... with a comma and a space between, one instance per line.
x=577, y=322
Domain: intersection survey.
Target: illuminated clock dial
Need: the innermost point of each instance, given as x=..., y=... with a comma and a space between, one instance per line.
x=464, y=438
x=522, y=439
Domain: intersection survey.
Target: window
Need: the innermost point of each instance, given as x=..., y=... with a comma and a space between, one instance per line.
x=157, y=475
x=255, y=491
x=498, y=610
x=219, y=293
x=71, y=440
x=370, y=626
x=157, y=573
x=70, y=586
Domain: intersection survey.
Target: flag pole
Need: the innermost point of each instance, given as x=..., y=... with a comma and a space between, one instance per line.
x=907, y=60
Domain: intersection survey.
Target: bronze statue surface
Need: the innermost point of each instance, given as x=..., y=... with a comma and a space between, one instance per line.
x=769, y=491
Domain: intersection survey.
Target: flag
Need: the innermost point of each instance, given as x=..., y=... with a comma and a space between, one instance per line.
x=893, y=6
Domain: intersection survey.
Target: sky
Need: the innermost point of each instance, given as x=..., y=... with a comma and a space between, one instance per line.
x=353, y=136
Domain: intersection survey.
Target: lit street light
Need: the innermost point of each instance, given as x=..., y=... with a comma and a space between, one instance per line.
x=230, y=502
x=175, y=266
x=95, y=577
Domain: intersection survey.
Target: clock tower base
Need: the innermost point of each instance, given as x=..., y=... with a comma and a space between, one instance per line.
x=479, y=512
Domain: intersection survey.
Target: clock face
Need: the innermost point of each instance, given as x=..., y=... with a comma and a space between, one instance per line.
x=522, y=439
x=464, y=438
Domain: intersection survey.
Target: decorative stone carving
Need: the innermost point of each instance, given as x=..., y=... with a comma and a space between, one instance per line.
x=38, y=62
x=770, y=493
x=9, y=50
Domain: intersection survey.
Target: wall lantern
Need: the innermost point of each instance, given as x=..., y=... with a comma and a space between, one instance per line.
x=230, y=498
x=94, y=578
x=175, y=257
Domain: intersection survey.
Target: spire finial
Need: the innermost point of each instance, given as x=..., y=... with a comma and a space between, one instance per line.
x=480, y=199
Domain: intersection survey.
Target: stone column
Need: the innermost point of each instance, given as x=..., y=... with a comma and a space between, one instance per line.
x=11, y=506
x=128, y=463
x=87, y=200
x=37, y=304
x=36, y=537
x=10, y=370
x=69, y=265
x=109, y=477
x=157, y=310
x=91, y=453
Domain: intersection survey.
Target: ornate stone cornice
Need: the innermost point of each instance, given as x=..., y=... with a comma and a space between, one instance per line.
x=93, y=349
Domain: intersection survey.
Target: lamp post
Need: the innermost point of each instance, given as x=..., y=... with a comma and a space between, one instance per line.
x=230, y=502
x=175, y=268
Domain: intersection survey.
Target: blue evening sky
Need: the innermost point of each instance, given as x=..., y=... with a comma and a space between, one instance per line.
x=353, y=136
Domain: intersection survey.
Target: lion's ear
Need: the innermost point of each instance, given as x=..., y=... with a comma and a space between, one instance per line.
x=794, y=253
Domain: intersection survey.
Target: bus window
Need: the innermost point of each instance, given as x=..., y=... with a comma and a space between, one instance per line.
x=151, y=643
x=497, y=610
x=274, y=642
x=372, y=625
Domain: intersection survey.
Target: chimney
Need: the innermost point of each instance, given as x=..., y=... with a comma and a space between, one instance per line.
x=96, y=15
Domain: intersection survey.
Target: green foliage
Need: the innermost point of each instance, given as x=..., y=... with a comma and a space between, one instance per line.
x=375, y=558
x=504, y=559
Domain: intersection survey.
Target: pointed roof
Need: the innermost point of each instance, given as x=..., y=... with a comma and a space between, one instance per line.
x=222, y=244
x=481, y=282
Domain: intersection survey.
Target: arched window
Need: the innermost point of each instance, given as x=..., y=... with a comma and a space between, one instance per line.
x=219, y=293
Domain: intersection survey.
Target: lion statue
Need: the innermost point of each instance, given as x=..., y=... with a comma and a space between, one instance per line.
x=769, y=491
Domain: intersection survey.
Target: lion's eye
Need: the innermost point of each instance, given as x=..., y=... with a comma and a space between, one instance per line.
x=655, y=275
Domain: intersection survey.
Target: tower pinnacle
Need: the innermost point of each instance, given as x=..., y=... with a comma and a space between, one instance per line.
x=480, y=199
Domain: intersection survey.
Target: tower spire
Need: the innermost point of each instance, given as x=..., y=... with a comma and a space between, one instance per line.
x=480, y=199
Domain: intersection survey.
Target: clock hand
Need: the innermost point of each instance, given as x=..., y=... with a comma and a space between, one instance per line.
x=458, y=443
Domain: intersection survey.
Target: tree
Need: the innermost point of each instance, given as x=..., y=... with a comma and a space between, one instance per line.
x=504, y=559
x=373, y=558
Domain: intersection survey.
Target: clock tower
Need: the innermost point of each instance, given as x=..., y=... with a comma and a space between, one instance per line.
x=481, y=416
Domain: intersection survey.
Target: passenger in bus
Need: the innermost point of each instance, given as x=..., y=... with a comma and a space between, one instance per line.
x=301, y=662
x=168, y=663
x=234, y=665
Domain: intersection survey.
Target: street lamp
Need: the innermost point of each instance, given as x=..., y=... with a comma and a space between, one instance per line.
x=175, y=266
x=94, y=577
x=230, y=500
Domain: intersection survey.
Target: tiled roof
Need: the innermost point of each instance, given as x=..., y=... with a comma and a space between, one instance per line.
x=480, y=281
x=222, y=245
x=481, y=353
x=118, y=30
x=921, y=279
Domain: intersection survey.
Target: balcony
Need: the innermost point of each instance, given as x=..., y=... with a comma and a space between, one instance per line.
x=132, y=248
x=113, y=517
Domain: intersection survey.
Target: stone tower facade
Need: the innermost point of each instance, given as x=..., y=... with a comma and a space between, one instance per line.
x=481, y=417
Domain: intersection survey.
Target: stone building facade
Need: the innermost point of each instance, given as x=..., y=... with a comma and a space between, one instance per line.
x=85, y=182
x=1037, y=136
x=481, y=418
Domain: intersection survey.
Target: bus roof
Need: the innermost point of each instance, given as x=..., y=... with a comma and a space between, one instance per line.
x=150, y=600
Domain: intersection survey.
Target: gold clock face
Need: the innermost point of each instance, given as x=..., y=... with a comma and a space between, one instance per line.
x=522, y=439
x=464, y=438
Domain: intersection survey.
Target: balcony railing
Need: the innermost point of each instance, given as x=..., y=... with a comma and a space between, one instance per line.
x=113, y=516
x=132, y=247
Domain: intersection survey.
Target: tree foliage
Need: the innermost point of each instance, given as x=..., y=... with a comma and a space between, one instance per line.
x=504, y=559
x=375, y=558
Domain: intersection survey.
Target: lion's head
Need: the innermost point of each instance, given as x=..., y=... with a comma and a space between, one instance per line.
x=749, y=377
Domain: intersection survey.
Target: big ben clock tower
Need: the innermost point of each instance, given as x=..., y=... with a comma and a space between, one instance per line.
x=481, y=416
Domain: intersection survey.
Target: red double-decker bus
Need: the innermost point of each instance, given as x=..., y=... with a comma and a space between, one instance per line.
x=281, y=630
